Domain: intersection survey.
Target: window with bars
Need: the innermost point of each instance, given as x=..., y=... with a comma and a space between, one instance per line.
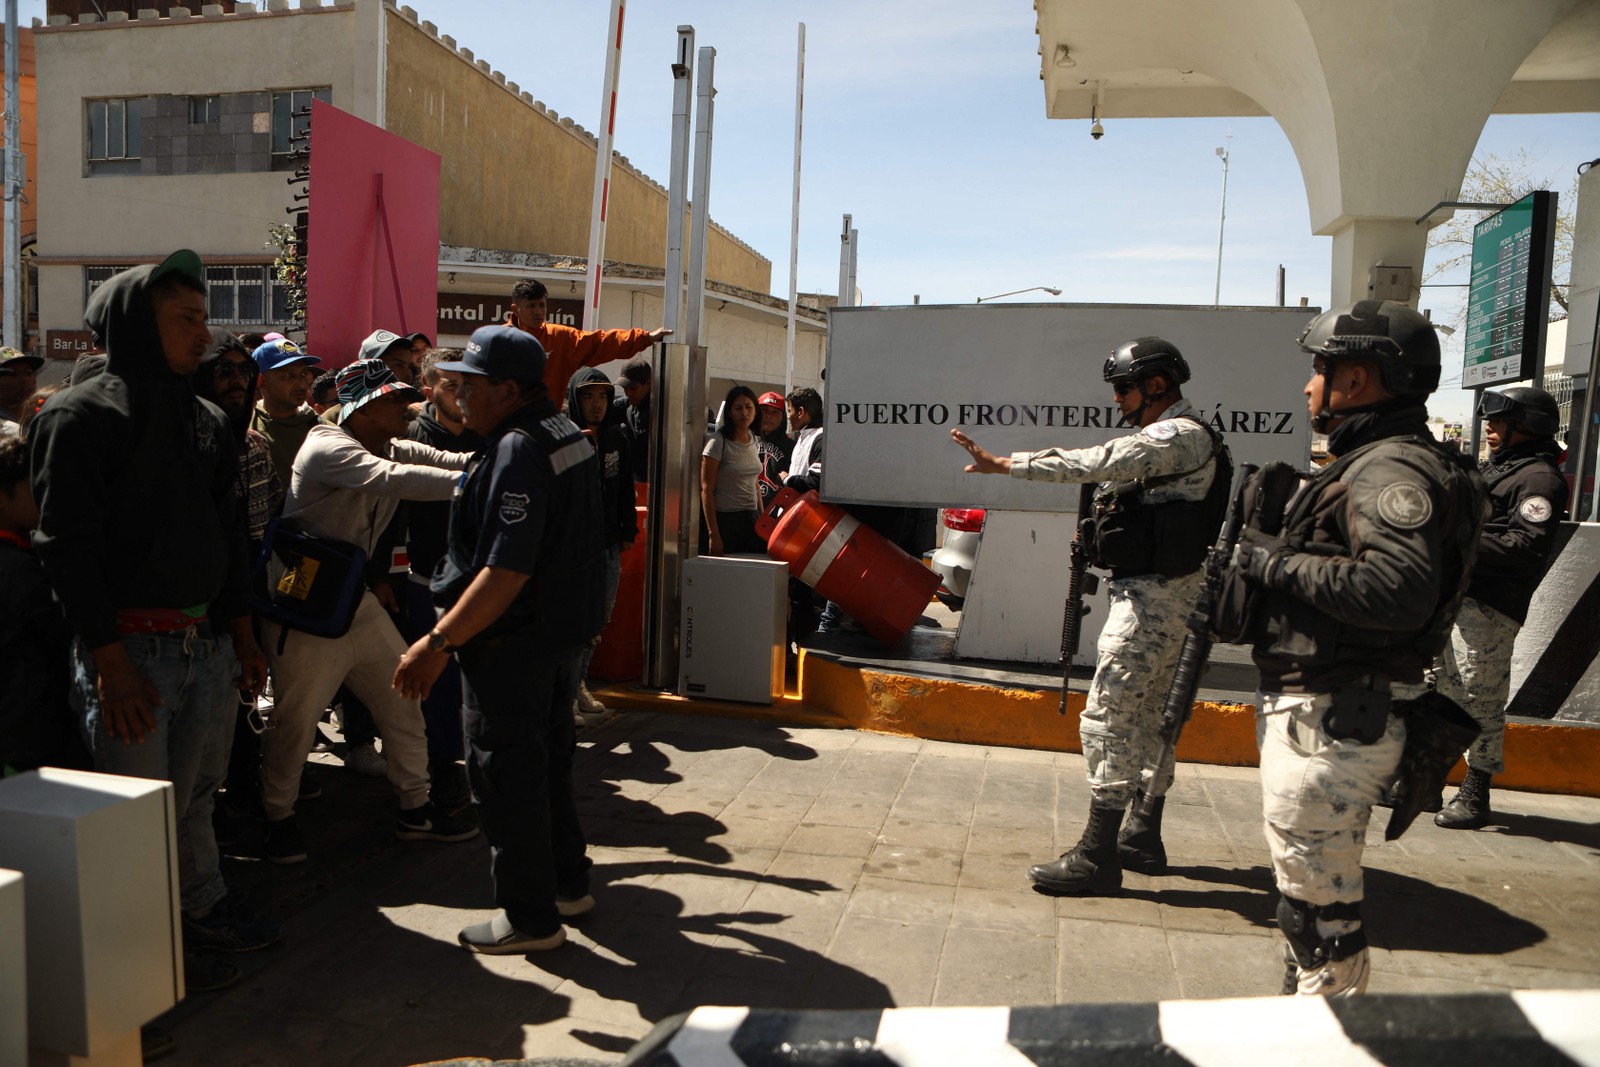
x=116, y=133
x=235, y=295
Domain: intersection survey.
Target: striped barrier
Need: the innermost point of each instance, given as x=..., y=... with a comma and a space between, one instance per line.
x=1526, y=1028
x=1554, y=670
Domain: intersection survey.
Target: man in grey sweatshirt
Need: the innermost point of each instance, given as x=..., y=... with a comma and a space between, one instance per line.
x=348, y=480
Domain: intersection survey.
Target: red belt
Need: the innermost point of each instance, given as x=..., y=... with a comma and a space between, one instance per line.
x=155, y=621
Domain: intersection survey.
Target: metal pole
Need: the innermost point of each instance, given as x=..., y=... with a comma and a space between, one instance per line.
x=855, y=243
x=14, y=180
x=846, y=294
x=794, y=217
x=602, y=167
x=1222, y=221
x=669, y=448
x=1282, y=279
x=705, y=93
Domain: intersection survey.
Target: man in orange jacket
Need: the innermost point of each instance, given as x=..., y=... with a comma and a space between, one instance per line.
x=567, y=349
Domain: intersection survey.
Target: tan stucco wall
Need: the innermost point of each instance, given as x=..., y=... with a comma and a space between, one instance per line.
x=531, y=177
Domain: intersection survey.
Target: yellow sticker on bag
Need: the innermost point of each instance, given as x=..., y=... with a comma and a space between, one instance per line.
x=297, y=580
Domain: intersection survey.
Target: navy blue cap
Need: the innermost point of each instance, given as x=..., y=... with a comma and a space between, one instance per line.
x=271, y=355
x=501, y=352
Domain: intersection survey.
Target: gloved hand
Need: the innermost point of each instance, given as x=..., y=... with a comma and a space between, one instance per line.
x=1261, y=557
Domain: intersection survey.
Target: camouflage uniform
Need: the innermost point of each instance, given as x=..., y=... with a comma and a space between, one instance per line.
x=1138, y=648
x=1475, y=672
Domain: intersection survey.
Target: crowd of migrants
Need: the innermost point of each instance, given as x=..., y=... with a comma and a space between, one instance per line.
x=486, y=496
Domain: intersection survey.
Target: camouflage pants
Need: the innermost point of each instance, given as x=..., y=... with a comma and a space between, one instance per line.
x=1475, y=671
x=1121, y=722
x=1317, y=795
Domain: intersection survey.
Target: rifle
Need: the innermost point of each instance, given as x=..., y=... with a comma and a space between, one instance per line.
x=1079, y=585
x=1197, y=642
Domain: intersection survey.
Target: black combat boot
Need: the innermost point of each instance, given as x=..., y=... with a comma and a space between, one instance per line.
x=1469, y=808
x=1090, y=869
x=1139, y=846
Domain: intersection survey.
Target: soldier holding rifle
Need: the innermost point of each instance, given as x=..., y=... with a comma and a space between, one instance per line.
x=1160, y=500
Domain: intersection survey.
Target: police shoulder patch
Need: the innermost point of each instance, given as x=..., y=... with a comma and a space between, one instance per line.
x=513, y=507
x=1405, y=505
x=1164, y=430
x=1536, y=509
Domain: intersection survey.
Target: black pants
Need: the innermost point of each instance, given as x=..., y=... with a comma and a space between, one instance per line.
x=517, y=714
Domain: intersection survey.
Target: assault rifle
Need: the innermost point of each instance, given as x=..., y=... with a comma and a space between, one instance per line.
x=1197, y=642
x=1079, y=585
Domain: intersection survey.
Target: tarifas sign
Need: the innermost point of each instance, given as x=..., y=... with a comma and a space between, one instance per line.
x=1508, y=299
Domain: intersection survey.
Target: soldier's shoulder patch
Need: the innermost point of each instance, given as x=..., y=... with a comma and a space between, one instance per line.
x=513, y=507
x=1405, y=505
x=1536, y=509
x=1164, y=430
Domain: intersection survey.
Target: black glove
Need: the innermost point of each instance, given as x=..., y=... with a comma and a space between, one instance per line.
x=1261, y=557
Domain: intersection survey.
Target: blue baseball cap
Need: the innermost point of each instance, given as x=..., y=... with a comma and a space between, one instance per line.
x=271, y=355
x=501, y=352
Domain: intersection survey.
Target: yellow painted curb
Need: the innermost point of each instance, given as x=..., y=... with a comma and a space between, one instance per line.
x=1540, y=758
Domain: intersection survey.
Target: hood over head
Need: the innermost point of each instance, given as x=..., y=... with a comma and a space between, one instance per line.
x=205, y=378
x=122, y=315
x=582, y=378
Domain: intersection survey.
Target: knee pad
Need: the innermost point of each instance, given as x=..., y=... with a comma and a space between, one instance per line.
x=1298, y=921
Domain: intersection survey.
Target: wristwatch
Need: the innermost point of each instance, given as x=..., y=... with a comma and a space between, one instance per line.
x=439, y=641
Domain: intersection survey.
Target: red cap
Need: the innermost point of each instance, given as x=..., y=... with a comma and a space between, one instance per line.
x=770, y=400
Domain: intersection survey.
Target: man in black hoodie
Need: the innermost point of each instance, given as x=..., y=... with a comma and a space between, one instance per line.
x=143, y=539
x=589, y=399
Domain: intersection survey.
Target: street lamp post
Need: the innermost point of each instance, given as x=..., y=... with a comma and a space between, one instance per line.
x=1222, y=221
x=1015, y=292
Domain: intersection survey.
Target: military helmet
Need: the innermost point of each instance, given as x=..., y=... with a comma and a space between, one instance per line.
x=1535, y=410
x=1393, y=335
x=1144, y=356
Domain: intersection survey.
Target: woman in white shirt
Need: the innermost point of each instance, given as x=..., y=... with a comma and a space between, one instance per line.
x=730, y=466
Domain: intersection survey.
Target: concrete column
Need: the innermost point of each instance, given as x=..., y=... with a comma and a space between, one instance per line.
x=1360, y=243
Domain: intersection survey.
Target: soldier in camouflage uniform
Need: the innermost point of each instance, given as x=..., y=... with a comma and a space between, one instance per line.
x=1350, y=602
x=1528, y=497
x=1161, y=497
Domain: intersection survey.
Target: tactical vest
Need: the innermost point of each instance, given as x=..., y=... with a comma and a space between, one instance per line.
x=1129, y=537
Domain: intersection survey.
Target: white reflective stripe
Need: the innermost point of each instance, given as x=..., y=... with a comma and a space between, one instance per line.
x=703, y=1040
x=1223, y=1033
x=568, y=456
x=829, y=550
x=1565, y=1019
x=949, y=1037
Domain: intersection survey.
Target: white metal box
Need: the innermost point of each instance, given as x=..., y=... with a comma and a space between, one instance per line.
x=735, y=612
x=104, y=945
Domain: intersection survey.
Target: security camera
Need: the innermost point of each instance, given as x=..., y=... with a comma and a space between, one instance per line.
x=1097, y=131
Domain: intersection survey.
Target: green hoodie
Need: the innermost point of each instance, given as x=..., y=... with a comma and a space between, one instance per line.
x=285, y=436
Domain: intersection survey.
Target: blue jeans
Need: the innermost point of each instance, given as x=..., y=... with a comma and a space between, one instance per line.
x=613, y=575
x=189, y=746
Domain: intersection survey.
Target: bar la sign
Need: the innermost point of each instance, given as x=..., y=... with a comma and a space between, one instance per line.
x=461, y=313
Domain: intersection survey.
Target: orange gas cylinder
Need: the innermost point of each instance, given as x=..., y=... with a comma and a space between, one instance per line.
x=851, y=564
x=620, y=654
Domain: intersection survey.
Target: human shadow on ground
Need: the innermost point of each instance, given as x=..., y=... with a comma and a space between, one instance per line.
x=1400, y=912
x=642, y=757
x=649, y=952
x=1582, y=834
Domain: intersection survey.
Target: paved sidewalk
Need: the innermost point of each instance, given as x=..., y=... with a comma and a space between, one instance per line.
x=745, y=863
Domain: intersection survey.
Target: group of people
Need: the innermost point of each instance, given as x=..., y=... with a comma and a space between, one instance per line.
x=1395, y=568
x=144, y=512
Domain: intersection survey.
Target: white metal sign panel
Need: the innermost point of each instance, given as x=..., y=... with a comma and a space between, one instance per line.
x=1025, y=377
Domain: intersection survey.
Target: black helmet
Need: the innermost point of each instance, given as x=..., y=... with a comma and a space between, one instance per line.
x=1535, y=410
x=1144, y=356
x=1394, y=336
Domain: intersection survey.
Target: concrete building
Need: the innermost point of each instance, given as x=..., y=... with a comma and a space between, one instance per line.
x=158, y=149
x=28, y=142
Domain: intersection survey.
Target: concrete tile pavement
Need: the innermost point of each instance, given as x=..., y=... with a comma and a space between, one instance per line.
x=743, y=862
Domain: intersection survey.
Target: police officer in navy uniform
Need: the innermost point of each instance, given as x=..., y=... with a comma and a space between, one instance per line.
x=1529, y=498
x=522, y=590
x=1353, y=594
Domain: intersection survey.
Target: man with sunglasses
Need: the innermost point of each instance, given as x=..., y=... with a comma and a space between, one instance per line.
x=1529, y=498
x=1162, y=491
x=1352, y=595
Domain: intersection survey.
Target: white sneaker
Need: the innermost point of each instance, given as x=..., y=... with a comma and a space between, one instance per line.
x=587, y=702
x=366, y=761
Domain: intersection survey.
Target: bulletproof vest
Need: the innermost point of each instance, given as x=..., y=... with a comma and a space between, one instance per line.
x=1130, y=537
